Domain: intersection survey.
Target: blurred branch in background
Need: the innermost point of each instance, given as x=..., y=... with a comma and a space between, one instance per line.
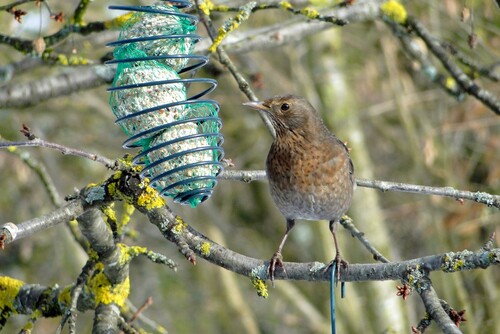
x=72, y=81
x=260, y=39
x=463, y=79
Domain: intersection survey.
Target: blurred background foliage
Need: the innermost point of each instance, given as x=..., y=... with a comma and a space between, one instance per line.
x=400, y=127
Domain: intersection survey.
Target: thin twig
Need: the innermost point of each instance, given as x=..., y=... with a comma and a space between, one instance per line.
x=456, y=316
x=415, y=52
x=483, y=95
x=434, y=308
x=479, y=197
x=347, y=223
x=161, y=259
x=224, y=59
x=81, y=281
x=40, y=169
x=243, y=175
x=309, y=13
x=142, y=308
x=80, y=11
x=37, y=142
x=155, y=327
x=485, y=71
x=64, y=214
x=243, y=85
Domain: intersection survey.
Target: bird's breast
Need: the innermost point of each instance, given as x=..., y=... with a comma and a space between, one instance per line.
x=310, y=181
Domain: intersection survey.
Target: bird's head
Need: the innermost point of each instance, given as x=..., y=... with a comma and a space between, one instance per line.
x=287, y=113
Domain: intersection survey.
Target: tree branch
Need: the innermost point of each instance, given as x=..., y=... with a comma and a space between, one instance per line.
x=463, y=80
x=114, y=259
x=97, y=194
x=415, y=52
x=112, y=278
x=191, y=242
x=66, y=213
x=40, y=169
x=346, y=222
x=80, y=78
x=296, y=29
x=435, y=310
x=238, y=77
x=479, y=197
x=71, y=310
x=37, y=142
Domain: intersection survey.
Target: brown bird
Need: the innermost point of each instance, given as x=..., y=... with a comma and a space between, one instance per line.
x=309, y=169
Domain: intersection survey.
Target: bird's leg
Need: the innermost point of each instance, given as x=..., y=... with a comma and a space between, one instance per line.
x=277, y=259
x=338, y=261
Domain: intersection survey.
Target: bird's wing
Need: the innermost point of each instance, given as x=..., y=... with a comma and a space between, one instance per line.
x=335, y=159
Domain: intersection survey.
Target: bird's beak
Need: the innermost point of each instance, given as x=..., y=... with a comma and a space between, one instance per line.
x=257, y=105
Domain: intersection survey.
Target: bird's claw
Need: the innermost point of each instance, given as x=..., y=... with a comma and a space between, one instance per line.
x=339, y=263
x=276, y=261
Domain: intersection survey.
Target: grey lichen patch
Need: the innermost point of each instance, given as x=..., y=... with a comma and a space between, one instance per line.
x=96, y=193
x=456, y=261
x=485, y=198
x=415, y=278
x=260, y=271
x=317, y=266
x=494, y=256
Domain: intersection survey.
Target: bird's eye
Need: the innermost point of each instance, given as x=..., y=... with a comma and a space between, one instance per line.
x=285, y=106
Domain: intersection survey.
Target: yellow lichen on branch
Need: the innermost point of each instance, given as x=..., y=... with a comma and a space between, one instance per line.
x=309, y=12
x=119, y=21
x=206, y=7
x=232, y=24
x=150, y=198
x=127, y=253
x=204, y=248
x=395, y=11
x=286, y=5
x=105, y=292
x=128, y=210
x=180, y=225
x=260, y=286
x=9, y=288
x=64, y=297
x=72, y=60
x=109, y=212
x=450, y=83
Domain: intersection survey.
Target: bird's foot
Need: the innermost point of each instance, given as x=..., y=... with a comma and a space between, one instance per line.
x=338, y=262
x=276, y=261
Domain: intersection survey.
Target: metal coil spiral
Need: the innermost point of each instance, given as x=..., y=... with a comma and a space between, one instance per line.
x=178, y=134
